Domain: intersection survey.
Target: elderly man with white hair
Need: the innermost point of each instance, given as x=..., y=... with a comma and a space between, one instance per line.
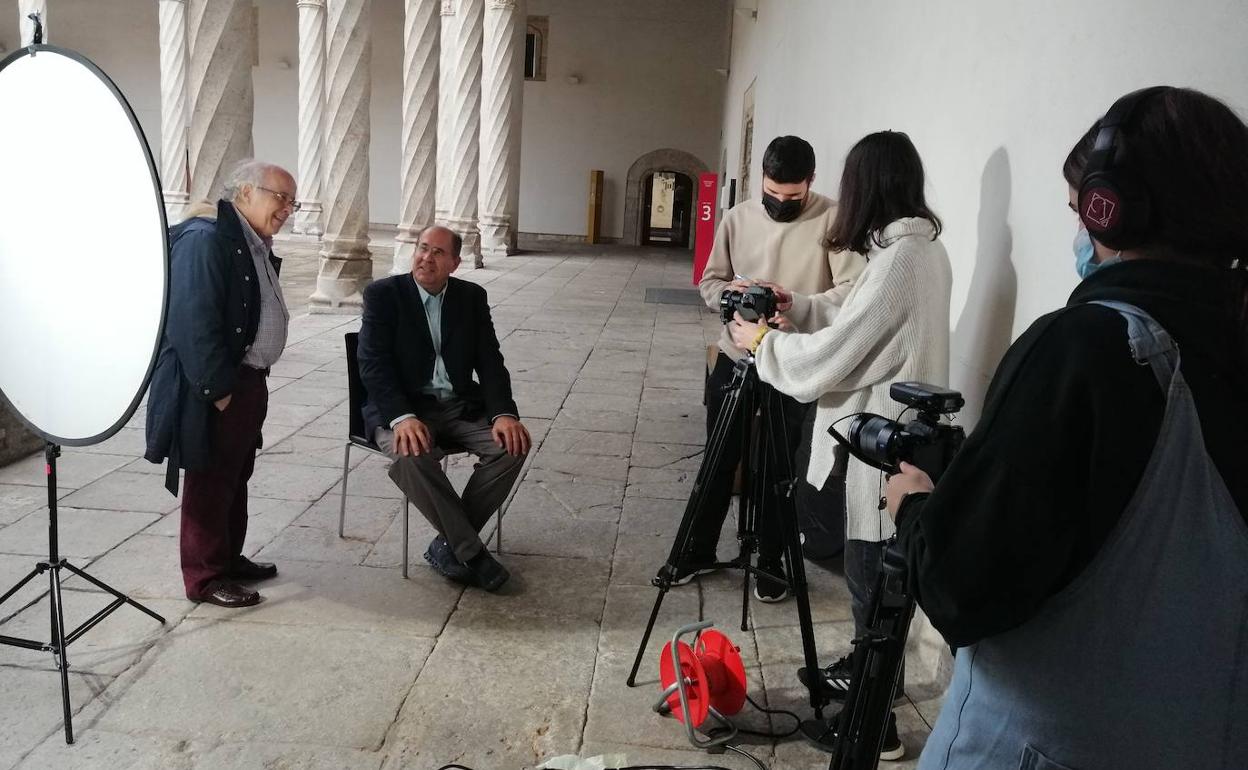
x=226, y=326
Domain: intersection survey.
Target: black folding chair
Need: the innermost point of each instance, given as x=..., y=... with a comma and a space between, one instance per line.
x=356, y=437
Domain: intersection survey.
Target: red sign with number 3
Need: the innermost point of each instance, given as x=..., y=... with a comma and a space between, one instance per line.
x=704, y=234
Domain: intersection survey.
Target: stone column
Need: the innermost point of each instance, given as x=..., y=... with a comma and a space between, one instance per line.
x=222, y=43
x=502, y=88
x=307, y=219
x=418, y=168
x=465, y=126
x=446, y=85
x=173, y=108
x=346, y=263
x=27, y=27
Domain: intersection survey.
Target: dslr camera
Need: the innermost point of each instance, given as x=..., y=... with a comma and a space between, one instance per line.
x=754, y=304
x=925, y=441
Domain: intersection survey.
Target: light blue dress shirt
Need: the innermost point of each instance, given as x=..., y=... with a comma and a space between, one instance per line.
x=440, y=385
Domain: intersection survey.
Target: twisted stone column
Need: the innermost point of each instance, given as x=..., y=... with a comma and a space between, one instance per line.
x=418, y=168
x=222, y=44
x=465, y=120
x=307, y=220
x=27, y=27
x=446, y=84
x=173, y=108
x=502, y=88
x=346, y=263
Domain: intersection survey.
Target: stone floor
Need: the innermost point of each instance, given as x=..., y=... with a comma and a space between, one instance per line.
x=348, y=665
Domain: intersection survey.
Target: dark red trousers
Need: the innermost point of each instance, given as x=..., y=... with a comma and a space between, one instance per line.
x=214, y=499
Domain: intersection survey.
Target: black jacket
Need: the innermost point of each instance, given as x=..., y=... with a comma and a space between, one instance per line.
x=396, y=355
x=214, y=310
x=1069, y=425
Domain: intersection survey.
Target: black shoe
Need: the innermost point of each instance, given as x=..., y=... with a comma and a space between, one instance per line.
x=768, y=589
x=685, y=578
x=443, y=561
x=487, y=572
x=246, y=569
x=225, y=594
x=891, y=749
x=833, y=682
x=695, y=568
x=821, y=733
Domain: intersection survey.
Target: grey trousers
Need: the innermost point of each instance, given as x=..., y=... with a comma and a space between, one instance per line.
x=421, y=478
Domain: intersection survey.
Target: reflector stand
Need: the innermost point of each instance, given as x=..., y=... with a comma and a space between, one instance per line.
x=81, y=317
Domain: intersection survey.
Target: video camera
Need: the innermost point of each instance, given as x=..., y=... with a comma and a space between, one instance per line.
x=754, y=304
x=856, y=733
x=924, y=442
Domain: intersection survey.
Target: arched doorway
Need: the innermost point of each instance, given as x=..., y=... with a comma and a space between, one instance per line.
x=666, y=160
x=667, y=209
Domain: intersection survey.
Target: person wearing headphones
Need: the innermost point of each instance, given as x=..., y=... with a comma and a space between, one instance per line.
x=1087, y=550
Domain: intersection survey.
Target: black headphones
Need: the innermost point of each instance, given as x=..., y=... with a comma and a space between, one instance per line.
x=1113, y=205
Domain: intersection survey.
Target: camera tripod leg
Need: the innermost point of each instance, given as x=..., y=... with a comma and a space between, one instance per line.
x=739, y=392
x=645, y=637
x=791, y=541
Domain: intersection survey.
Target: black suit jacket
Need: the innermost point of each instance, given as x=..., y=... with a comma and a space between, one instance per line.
x=396, y=355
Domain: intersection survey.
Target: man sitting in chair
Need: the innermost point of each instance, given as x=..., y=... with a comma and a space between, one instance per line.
x=423, y=336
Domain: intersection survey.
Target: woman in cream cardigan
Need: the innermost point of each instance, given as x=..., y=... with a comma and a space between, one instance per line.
x=892, y=326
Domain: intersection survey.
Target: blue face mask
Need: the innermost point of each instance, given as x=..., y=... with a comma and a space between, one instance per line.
x=1085, y=255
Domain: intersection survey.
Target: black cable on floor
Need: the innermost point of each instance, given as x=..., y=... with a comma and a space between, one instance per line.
x=768, y=734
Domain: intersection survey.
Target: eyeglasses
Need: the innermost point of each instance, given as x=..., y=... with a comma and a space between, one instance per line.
x=283, y=198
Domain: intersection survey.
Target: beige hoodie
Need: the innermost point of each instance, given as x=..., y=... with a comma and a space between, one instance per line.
x=792, y=254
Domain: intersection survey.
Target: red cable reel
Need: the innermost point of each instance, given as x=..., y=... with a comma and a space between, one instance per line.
x=711, y=681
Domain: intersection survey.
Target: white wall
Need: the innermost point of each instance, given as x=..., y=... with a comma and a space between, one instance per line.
x=648, y=81
x=994, y=95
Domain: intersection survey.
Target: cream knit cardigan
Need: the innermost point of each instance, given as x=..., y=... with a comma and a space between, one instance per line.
x=893, y=325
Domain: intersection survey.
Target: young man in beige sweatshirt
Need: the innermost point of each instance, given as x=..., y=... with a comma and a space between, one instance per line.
x=778, y=239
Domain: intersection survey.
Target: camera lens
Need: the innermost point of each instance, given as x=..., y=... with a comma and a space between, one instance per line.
x=873, y=436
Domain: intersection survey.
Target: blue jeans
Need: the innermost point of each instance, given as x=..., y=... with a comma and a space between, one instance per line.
x=864, y=560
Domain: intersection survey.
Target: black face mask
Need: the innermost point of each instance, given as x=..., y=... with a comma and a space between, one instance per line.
x=782, y=211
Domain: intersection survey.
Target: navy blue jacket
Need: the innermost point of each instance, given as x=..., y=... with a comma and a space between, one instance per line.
x=396, y=354
x=214, y=310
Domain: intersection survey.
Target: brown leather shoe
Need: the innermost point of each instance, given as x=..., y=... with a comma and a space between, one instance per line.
x=246, y=569
x=225, y=594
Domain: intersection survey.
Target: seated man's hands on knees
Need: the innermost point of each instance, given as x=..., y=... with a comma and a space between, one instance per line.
x=511, y=435
x=412, y=437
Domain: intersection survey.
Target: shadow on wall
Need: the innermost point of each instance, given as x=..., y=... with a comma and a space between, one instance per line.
x=984, y=331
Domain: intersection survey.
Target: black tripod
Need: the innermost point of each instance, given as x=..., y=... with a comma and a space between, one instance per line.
x=53, y=566
x=760, y=449
x=876, y=680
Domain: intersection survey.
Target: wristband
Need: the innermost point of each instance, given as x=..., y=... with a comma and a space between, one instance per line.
x=758, y=338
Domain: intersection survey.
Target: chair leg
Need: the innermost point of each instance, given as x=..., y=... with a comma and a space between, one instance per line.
x=342, y=506
x=498, y=532
x=405, y=511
